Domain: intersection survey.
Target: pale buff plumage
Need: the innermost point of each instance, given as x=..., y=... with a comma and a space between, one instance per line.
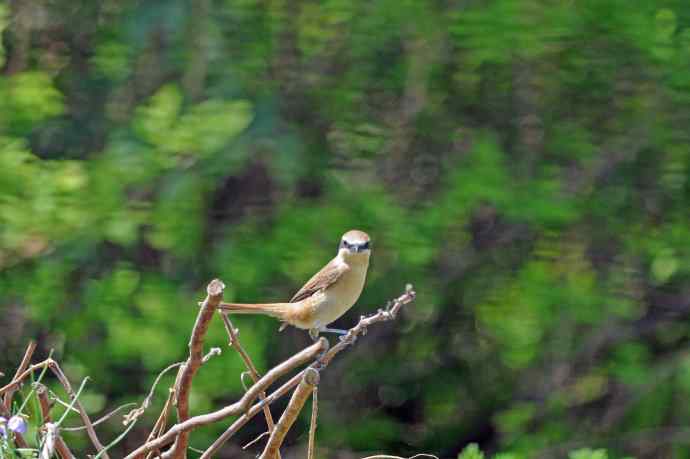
x=329, y=294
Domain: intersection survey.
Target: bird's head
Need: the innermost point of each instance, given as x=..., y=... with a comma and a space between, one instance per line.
x=354, y=244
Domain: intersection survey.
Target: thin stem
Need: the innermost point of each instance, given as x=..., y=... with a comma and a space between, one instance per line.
x=60, y=445
x=187, y=372
x=82, y=412
x=312, y=424
x=299, y=397
x=75, y=398
x=241, y=406
x=234, y=341
x=26, y=360
x=253, y=411
x=33, y=387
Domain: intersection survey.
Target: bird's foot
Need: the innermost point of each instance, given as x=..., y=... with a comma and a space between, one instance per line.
x=314, y=334
x=350, y=338
x=333, y=330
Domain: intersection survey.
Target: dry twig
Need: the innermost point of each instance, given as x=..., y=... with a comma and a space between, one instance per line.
x=256, y=440
x=135, y=413
x=100, y=420
x=17, y=380
x=305, y=388
x=234, y=341
x=57, y=371
x=82, y=412
x=162, y=421
x=241, y=406
x=6, y=407
x=26, y=360
x=253, y=411
x=59, y=444
x=382, y=315
x=312, y=424
x=305, y=381
x=188, y=370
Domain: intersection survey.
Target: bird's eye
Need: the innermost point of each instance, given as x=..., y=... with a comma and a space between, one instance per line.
x=365, y=246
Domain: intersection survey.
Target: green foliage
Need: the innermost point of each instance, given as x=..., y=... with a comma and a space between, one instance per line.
x=201, y=130
x=524, y=163
x=588, y=454
x=471, y=451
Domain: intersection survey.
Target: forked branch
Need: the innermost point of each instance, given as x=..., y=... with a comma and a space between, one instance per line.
x=299, y=397
x=188, y=370
x=390, y=312
x=239, y=407
x=303, y=384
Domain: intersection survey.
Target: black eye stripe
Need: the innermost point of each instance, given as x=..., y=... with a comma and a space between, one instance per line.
x=345, y=244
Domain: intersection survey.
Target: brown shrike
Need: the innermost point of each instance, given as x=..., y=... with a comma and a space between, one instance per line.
x=329, y=294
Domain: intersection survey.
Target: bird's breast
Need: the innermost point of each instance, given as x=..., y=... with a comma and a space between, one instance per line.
x=341, y=296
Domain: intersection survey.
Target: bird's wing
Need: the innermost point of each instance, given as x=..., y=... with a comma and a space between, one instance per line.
x=321, y=280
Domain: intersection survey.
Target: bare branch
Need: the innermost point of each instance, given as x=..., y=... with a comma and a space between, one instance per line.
x=256, y=440
x=57, y=371
x=299, y=397
x=253, y=411
x=162, y=420
x=100, y=420
x=312, y=425
x=17, y=380
x=188, y=370
x=26, y=360
x=382, y=315
x=53, y=397
x=238, y=407
x=22, y=372
x=234, y=341
x=59, y=444
x=135, y=413
x=304, y=381
x=82, y=412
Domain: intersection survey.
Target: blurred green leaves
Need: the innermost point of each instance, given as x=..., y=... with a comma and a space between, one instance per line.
x=471, y=451
x=30, y=97
x=4, y=20
x=588, y=454
x=200, y=131
x=523, y=163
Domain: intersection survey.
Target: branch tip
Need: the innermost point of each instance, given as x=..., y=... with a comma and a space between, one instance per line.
x=312, y=376
x=215, y=287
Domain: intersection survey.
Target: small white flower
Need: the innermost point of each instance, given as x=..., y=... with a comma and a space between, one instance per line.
x=17, y=424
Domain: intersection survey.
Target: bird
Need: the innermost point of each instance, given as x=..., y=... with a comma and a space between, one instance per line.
x=325, y=297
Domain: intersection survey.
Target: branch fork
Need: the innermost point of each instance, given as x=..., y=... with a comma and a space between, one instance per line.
x=303, y=385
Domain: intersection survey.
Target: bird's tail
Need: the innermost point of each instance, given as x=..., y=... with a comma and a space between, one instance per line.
x=277, y=310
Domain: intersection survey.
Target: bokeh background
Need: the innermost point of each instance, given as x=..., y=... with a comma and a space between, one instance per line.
x=524, y=163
